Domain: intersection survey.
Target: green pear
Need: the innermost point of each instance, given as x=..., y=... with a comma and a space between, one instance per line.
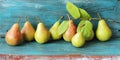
x=42, y=35
x=14, y=36
x=86, y=28
x=28, y=31
x=78, y=40
x=70, y=32
x=54, y=30
x=103, y=31
x=91, y=37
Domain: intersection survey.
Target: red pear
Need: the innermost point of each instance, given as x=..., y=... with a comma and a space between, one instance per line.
x=28, y=31
x=70, y=32
x=14, y=36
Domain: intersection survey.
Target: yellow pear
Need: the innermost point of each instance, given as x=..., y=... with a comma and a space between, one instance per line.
x=42, y=35
x=14, y=36
x=78, y=40
x=103, y=32
x=28, y=31
x=54, y=30
x=91, y=37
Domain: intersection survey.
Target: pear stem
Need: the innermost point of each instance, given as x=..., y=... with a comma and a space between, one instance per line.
x=90, y=18
x=38, y=19
x=61, y=18
x=99, y=16
x=18, y=20
x=68, y=16
x=94, y=18
x=26, y=18
x=82, y=25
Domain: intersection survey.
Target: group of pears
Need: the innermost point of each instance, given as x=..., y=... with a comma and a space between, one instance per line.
x=77, y=35
x=67, y=29
x=15, y=36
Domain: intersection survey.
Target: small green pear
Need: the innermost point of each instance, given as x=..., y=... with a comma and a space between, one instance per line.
x=54, y=30
x=13, y=36
x=86, y=28
x=42, y=35
x=78, y=40
x=91, y=37
x=28, y=31
x=103, y=31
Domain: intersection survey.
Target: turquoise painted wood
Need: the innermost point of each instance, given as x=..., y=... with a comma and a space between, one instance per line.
x=61, y=47
x=49, y=11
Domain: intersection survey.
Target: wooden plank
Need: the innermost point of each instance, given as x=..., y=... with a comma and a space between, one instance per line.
x=61, y=47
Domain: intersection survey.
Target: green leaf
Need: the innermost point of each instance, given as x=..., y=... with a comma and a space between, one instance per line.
x=84, y=14
x=63, y=27
x=73, y=10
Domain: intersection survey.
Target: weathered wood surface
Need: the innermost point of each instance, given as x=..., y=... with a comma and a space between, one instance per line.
x=63, y=48
x=49, y=11
x=58, y=57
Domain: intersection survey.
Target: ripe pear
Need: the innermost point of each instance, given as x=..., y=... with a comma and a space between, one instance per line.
x=78, y=40
x=103, y=31
x=54, y=30
x=70, y=32
x=14, y=36
x=28, y=31
x=42, y=35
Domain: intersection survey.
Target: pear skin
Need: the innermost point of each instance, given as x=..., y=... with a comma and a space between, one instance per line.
x=103, y=31
x=28, y=31
x=70, y=32
x=78, y=40
x=14, y=36
x=42, y=35
x=91, y=37
x=54, y=31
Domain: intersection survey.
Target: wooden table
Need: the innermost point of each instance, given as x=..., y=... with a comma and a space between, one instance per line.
x=49, y=11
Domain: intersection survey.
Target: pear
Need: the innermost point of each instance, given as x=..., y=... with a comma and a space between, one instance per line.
x=103, y=31
x=78, y=40
x=28, y=31
x=42, y=35
x=14, y=36
x=70, y=32
x=54, y=30
x=91, y=37
x=86, y=28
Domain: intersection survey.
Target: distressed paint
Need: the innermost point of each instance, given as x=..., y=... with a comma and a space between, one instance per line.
x=63, y=48
x=49, y=11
